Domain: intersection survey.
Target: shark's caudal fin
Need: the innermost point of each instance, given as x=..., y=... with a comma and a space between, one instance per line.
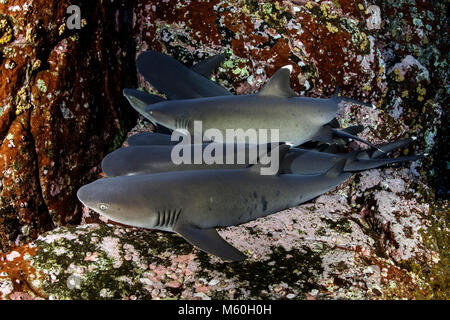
x=177, y=81
x=279, y=84
x=385, y=148
x=139, y=100
x=354, y=165
x=207, y=66
x=210, y=241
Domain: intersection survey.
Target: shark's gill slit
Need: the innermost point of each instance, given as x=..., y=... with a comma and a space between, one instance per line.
x=159, y=218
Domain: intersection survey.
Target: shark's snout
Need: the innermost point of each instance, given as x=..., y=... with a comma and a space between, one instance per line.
x=161, y=116
x=83, y=195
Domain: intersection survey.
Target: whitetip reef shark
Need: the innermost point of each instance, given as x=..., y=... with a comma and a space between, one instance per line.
x=195, y=203
x=146, y=159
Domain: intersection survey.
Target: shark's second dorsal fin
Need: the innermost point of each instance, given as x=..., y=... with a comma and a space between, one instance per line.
x=337, y=169
x=207, y=66
x=281, y=150
x=280, y=84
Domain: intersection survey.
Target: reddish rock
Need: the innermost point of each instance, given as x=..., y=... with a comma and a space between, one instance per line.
x=60, y=108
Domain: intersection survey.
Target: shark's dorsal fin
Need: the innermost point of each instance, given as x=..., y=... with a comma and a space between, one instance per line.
x=282, y=150
x=280, y=84
x=210, y=241
x=207, y=66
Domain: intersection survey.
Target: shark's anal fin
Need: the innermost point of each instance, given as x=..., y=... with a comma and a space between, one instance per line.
x=279, y=85
x=210, y=241
x=207, y=66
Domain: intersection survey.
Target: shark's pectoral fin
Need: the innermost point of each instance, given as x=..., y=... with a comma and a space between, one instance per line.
x=207, y=66
x=346, y=135
x=210, y=241
x=354, y=130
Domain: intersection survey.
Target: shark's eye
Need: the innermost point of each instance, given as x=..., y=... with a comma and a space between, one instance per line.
x=103, y=207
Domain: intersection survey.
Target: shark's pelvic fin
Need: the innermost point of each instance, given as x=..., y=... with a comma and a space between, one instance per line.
x=344, y=134
x=334, y=123
x=207, y=66
x=210, y=241
x=325, y=135
x=279, y=85
x=354, y=130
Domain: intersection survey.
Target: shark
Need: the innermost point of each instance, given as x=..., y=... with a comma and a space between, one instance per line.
x=147, y=159
x=195, y=203
x=275, y=106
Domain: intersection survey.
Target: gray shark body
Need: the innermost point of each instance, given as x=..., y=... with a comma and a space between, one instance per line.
x=298, y=119
x=151, y=139
x=195, y=203
x=149, y=159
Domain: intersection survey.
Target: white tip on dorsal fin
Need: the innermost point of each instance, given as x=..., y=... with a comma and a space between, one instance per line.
x=289, y=67
x=280, y=84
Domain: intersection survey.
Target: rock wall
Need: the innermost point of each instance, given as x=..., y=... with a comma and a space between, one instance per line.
x=61, y=107
x=381, y=235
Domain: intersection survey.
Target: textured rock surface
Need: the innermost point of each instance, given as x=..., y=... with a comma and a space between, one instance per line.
x=54, y=128
x=383, y=234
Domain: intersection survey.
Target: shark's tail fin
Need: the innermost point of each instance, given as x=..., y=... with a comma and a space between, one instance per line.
x=354, y=164
x=385, y=148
